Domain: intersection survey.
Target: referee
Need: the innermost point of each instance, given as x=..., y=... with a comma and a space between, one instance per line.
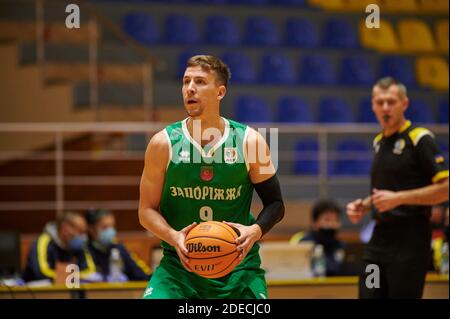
x=408, y=176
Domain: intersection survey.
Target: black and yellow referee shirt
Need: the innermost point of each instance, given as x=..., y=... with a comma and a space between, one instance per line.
x=406, y=160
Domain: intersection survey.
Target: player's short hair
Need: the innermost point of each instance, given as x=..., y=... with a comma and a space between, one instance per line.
x=209, y=62
x=385, y=82
x=325, y=205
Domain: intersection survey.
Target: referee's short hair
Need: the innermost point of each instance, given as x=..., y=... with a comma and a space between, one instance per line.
x=325, y=205
x=385, y=82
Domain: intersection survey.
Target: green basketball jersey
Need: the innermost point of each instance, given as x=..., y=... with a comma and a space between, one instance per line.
x=206, y=183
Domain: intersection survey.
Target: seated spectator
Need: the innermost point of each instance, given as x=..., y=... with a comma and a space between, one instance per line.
x=63, y=241
x=326, y=216
x=103, y=246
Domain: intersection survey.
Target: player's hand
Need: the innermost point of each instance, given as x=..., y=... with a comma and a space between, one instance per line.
x=247, y=238
x=355, y=210
x=385, y=200
x=180, y=247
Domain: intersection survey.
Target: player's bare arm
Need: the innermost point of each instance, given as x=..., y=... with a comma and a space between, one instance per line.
x=434, y=194
x=262, y=175
x=151, y=186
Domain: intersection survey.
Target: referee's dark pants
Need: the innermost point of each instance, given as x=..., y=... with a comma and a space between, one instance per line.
x=402, y=253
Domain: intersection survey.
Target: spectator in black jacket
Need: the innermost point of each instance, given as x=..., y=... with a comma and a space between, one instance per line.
x=103, y=244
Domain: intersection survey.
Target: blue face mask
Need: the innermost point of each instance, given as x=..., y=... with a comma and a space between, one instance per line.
x=77, y=242
x=106, y=236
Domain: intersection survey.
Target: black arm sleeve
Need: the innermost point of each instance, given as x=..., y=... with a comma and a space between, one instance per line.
x=273, y=211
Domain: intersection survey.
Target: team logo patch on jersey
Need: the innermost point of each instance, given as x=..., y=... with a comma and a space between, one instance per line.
x=399, y=146
x=206, y=173
x=230, y=155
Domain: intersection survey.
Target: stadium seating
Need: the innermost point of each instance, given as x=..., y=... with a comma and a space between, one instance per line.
x=297, y=3
x=415, y=36
x=316, y=69
x=250, y=108
x=291, y=109
x=353, y=158
x=277, y=68
x=365, y=113
x=398, y=67
x=142, y=27
x=221, y=29
x=181, y=29
x=356, y=70
x=441, y=31
x=443, y=111
x=260, y=30
x=383, y=39
x=339, y=33
x=243, y=68
x=301, y=32
x=334, y=110
x=342, y=5
x=419, y=112
x=432, y=72
x=398, y=6
x=434, y=6
x=307, y=156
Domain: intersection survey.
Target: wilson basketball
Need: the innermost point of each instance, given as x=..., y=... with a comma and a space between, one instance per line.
x=212, y=250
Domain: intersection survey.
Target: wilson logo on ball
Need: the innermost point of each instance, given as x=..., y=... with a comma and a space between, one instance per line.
x=199, y=248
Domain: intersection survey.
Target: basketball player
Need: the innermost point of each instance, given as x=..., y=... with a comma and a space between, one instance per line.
x=408, y=176
x=205, y=168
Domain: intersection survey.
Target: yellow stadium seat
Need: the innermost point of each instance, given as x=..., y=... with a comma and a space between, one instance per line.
x=415, y=36
x=433, y=5
x=398, y=6
x=432, y=72
x=382, y=39
x=441, y=28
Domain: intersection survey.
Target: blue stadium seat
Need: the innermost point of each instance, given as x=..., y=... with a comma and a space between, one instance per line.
x=340, y=33
x=356, y=70
x=307, y=157
x=277, y=68
x=365, y=113
x=241, y=66
x=334, y=110
x=289, y=2
x=443, y=111
x=353, y=158
x=260, y=30
x=181, y=29
x=247, y=1
x=182, y=59
x=292, y=109
x=301, y=32
x=398, y=67
x=141, y=27
x=317, y=70
x=221, y=29
x=419, y=111
x=251, y=108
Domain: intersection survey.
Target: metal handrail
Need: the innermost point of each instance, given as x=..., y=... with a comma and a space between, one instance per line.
x=59, y=155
